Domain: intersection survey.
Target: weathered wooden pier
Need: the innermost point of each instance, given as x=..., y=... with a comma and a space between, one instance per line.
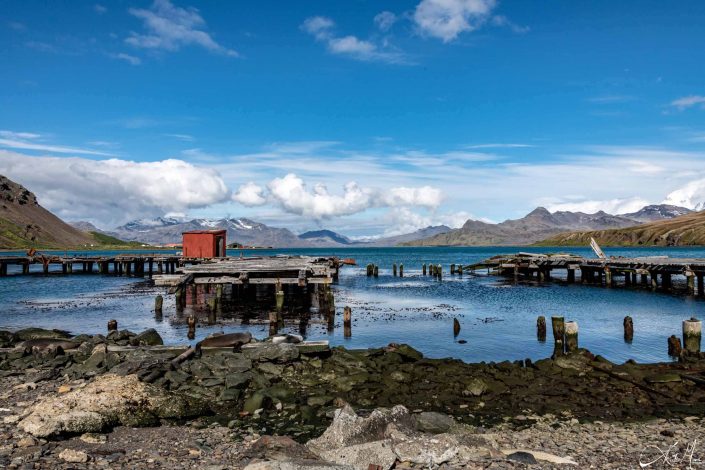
x=277, y=283
x=120, y=265
x=650, y=272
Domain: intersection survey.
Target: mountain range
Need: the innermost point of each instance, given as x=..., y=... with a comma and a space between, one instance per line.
x=541, y=224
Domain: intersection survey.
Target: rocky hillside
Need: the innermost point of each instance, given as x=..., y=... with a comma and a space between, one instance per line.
x=680, y=231
x=26, y=224
x=537, y=225
x=656, y=212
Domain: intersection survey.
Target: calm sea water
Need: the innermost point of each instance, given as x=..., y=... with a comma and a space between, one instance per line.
x=498, y=318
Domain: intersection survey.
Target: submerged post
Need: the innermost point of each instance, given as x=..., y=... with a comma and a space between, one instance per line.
x=347, y=322
x=273, y=323
x=376, y=271
x=692, y=332
x=158, y=302
x=401, y=270
x=558, y=326
x=112, y=325
x=571, y=336
x=423, y=269
x=541, y=328
x=440, y=272
x=394, y=269
x=628, y=329
x=456, y=327
x=690, y=278
x=452, y=269
x=459, y=270
x=674, y=346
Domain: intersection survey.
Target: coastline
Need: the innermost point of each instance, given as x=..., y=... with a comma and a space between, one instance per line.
x=282, y=389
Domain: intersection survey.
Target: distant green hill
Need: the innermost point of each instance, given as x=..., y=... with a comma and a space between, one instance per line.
x=686, y=230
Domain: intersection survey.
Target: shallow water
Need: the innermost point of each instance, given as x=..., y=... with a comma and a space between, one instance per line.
x=498, y=317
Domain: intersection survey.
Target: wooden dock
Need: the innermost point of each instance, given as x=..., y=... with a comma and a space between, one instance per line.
x=651, y=272
x=120, y=265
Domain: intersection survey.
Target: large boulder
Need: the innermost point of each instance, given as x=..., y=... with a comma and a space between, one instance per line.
x=281, y=353
x=35, y=333
x=108, y=401
x=148, y=337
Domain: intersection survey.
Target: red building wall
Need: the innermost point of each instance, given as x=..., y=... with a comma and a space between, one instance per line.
x=204, y=244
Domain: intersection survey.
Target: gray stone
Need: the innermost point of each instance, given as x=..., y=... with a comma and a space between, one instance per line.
x=361, y=456
x=523, y=457
x=434, y=423
x=476, y=387
x=148, y=337
x=296, y=465
x=280, y=353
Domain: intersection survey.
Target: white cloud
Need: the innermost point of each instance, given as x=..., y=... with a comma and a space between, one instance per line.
x=504, y=22
x=292, y=195
x=611, y=206
x=114, y=191
x=385, y=20
x=181, y=137
x=100, y=9
x=323, y=30
x=170, y=27
x=692, y=196
x=130, y=59
x=30, y=141
x=446, y=19
x=250, y=195
x=688, y=102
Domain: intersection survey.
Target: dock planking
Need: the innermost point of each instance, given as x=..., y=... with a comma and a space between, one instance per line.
x=653, y=272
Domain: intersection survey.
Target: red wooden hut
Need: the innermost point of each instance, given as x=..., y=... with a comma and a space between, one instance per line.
x=204, y=244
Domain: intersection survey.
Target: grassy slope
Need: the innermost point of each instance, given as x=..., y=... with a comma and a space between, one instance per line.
x=686, y=230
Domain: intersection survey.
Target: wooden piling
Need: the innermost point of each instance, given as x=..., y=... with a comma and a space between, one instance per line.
x=690, y=282
x=401, y=270
x=571, y=276
x=452, y=269
x=628, y=329
x=375, y=271
x=64, y=268
x=25, y=268
x=456, y=327
x=701, y=287
x=439, y=272
x=541, y=328
x=459, y=269
x=692, y=331
x=347, y=322
x=112, y=325
x=158, y=302
x=191, y=322
x=273, y=323
x=558, y=326
x=423, y=269
x=394, y=269
x=608, y=276
x=571, y=336
x=674, y=346
x=279, y=300
x=654, y=280
x=179, y=298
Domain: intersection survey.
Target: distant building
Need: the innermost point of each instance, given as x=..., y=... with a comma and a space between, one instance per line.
x=204, y=244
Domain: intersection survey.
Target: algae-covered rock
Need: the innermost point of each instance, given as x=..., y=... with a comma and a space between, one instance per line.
x=434, y=423
x=476, y=387
x=148, y=337
x=35, y=333
x=281, y=353
x=108, y=401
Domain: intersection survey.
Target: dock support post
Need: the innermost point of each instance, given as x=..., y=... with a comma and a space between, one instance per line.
x=69, y=268
x=571, y=336
x=347, y=322
x=90, y=267
x=375, y=271
x=158, y=302
x=674, y=346
x=279, y=295
x=690, y=278
x=692, y=332
x=654, y=280
x=160, y=267
x=423, y=269
x=459, y=270
x=644, y=279
x=191, y=322
x=46, y=268
x=440, y=272
x=571, y=276
x=666, y=281
x=628, y=329
x=608, y=277
x=64, y=268
x=273, y=323
x=394, y=269
x=634, y=278
x=558, y=326
x=456, y=327
x=401, y=270
x=541, y=328
x=701, y=288
x=452, y=269
x=25, y=268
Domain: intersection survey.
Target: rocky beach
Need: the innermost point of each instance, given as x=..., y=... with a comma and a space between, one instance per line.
x=126, y=401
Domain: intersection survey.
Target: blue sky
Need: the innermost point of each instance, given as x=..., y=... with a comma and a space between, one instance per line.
x=409, y=112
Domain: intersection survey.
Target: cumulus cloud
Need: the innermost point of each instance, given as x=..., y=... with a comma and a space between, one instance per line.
x=250, y=195
x=170, y=27
x=114, y=191
x=688, y=102
x=385, y=20
x=293, y=196
x=692, y=196
x=323, y=30
x=446, y=19
x=611, y=206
